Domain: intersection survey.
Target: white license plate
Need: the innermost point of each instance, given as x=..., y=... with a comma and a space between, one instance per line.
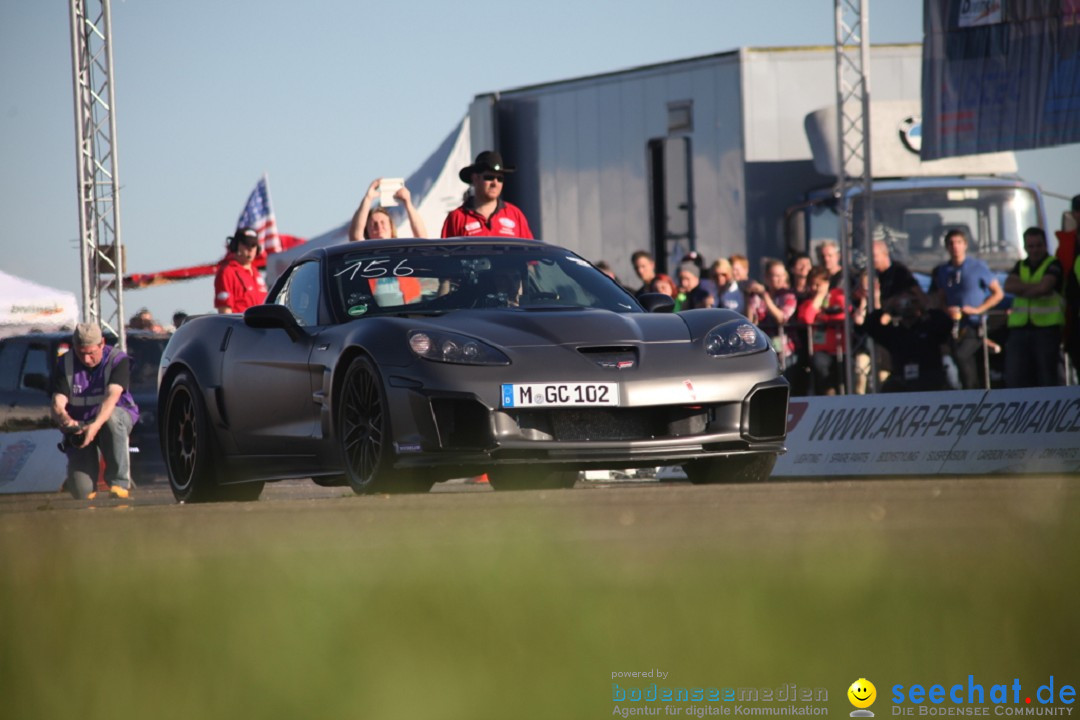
x=559, y=394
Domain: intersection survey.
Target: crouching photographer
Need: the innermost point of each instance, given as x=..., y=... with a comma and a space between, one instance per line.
x=913, y=335
x=94, y=409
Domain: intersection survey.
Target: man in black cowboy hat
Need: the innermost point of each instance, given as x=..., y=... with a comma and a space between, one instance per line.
x=485, y=212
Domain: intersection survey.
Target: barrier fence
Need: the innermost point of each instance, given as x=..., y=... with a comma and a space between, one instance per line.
x=991, y=355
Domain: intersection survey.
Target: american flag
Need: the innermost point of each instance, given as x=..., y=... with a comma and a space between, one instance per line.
x=259, y=214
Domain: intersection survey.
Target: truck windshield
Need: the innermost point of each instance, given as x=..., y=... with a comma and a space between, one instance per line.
x=913, y=221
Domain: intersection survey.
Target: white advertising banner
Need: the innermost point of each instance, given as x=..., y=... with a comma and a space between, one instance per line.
x=973, y=432
x=30, y=462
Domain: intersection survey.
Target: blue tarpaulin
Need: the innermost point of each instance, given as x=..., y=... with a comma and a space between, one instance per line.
x=999, y=75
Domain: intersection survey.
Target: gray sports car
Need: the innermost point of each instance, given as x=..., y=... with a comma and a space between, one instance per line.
x=391, y=365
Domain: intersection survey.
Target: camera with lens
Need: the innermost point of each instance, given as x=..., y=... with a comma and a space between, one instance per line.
x=73, y=438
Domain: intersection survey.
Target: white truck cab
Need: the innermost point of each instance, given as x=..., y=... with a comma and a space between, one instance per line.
x=916, y=202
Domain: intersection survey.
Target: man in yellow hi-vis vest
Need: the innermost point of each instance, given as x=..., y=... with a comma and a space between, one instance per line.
x=1033, y=351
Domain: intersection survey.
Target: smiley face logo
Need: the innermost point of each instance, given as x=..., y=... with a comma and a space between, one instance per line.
x=862, y=693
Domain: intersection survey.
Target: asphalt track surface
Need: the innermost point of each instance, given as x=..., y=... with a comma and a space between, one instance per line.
x=678, y=511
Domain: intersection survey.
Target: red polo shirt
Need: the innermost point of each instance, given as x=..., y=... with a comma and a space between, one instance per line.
x=507, y=221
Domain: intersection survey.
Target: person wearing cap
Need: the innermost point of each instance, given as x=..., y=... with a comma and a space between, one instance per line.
x=704, y=281
x=92, y=405
x=238, y=284
x=376, y=224
x=485, y=212
x=691, y=293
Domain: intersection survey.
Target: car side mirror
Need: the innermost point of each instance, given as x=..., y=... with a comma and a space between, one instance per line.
x=273, y=316
x=657, y=302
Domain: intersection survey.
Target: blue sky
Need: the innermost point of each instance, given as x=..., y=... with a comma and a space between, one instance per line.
x=324, y=96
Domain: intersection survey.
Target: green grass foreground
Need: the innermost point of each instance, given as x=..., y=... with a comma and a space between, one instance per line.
x=388, y=608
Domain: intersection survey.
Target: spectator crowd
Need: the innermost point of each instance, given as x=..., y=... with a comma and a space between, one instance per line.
x=959, y=333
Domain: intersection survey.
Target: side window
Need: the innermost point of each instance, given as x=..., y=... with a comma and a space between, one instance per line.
x=36, y=368
x=11, y=355
x=553, y=280
x=145, y=354
x=301, y=293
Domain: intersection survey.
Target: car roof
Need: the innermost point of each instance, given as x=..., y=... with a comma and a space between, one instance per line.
x=376, y=245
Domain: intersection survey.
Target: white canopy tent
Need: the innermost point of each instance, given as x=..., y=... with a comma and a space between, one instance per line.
x=26, y=306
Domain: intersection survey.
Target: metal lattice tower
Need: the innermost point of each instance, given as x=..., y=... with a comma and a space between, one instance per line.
x=100, y=249
x=853, y=126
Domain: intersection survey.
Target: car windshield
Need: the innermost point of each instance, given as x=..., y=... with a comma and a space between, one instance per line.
x=439, y=278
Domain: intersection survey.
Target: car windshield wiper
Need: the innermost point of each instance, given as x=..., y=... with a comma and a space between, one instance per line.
x=404, y=312
x=547, y=308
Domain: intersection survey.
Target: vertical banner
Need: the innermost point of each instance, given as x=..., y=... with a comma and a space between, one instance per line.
x=999, y=75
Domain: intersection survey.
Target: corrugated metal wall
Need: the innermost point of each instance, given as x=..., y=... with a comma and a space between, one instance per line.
x=581, y=146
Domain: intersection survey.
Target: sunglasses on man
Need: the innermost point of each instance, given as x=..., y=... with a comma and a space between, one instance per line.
x=490, y=177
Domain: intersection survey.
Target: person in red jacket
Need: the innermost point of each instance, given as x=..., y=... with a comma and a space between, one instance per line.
x=485, y=212
x=238, y=284
x=823, y=311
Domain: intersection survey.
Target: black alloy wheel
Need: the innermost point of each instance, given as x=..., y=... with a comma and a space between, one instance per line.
x=364, y=432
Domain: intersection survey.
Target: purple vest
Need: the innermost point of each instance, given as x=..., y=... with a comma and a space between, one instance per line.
x=88, y=386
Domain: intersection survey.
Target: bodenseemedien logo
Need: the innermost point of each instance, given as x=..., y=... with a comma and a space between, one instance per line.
x=862, y=695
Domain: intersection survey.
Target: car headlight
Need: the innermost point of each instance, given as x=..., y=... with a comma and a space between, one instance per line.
x=453, y=348
x=734, y=338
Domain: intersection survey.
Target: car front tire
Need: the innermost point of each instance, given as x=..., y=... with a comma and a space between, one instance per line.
x=190, y=457
x=365, y=437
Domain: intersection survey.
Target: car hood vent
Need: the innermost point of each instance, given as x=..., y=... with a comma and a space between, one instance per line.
x=613, y=357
